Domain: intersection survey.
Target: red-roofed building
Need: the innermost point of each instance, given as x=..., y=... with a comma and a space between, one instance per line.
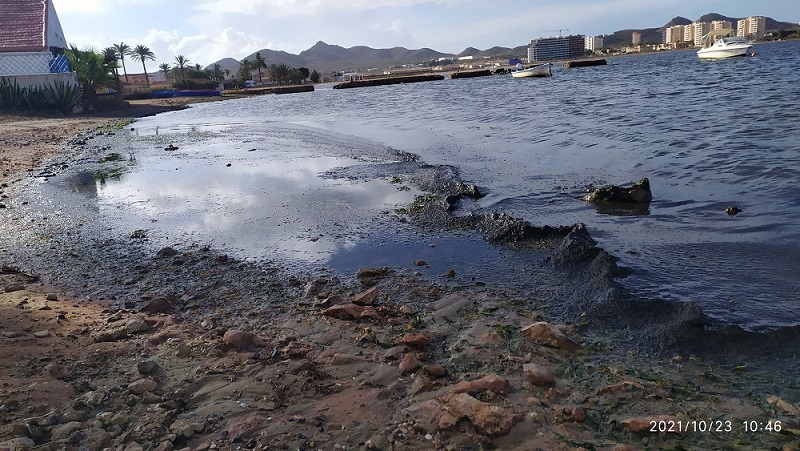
x=31, y=38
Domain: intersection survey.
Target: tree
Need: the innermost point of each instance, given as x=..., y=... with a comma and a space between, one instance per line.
x=216, y=72
x=180, y=64
x=314, y=76
x=279, y=73
x=111, y=57
x=143, y=53
x=304, y=73
x=259, y=63
x=165, y=69
x=227, y=73
x=123, y=50
x=92, y=70
x=244, y=70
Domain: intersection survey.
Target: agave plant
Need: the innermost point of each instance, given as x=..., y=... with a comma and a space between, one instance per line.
x=63, y=96
x=36, y=97
x=12, y=94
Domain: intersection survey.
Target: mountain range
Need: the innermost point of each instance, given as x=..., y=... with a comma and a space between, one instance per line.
x=326, y=58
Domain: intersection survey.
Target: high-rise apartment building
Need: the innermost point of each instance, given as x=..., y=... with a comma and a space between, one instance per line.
x=562, y=47
x=636, y=38
x=753, y=28
x=700, y=29
x=593, y=43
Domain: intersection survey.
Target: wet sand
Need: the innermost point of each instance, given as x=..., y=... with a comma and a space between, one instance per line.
x=224, y=354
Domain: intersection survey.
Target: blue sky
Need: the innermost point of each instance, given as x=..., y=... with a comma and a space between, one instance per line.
x=205, y=31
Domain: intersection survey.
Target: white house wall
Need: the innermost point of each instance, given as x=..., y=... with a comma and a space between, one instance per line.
x=28, y=81
x=55, y=35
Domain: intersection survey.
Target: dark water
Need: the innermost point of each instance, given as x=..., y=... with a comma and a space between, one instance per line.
x=708, y=135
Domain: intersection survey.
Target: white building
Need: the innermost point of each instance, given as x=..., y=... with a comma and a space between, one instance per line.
x=753, y=28
x=31, y=38
x=700, y=29
x=593, y=43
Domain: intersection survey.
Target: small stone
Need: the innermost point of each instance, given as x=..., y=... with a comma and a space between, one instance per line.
x=409, y=363
x=146, y=367
x=345, y=359
x=42, y=334
x=14, y=287
x=242, y=340
x=351, y=311
x=183, y=350
x=416, y=340
x=491, y=382
x=450, y=273
x=167, y=252
x=434, y=370
x=136, y=324
x=51, y=297
x=548, y=334
x=538, y=375
x=367, y=297
x=142, y=386
x=158, y=305
x=63, y=431
x=420, y=263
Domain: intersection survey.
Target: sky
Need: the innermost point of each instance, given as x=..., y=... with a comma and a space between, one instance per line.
x=205, y=31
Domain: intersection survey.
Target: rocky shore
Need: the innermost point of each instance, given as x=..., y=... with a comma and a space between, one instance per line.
x=188, y=348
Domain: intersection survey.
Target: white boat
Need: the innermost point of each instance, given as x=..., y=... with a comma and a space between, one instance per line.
x=540, y=70
x=718, y=44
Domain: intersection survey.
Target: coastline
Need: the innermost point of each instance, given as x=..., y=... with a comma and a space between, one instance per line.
x=392, y=361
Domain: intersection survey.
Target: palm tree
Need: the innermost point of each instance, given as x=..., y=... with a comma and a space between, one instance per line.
x=111, y=57
x=259, y=63
x=143, y=53
x=245, y=66
x=164, y=68
x=180, y=64
x=227, y=73
x=93, y=71
x=216, y=72
x=123, y=49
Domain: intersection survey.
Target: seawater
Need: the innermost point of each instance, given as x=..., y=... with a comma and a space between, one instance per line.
x=708, y=135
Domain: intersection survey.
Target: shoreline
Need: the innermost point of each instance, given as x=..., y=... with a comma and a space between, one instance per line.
x=388, y=361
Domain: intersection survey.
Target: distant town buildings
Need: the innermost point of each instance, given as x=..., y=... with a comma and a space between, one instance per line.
x=636, y=38
x=593, y=43
x=562, y=47
x=752, y=28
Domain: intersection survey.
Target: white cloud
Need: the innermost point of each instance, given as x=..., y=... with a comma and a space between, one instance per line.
x=91, y=7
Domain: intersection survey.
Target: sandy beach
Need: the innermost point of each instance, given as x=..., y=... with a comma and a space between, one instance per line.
x=389, y=361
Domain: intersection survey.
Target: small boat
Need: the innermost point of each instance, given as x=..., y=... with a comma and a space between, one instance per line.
x=540, y=70
x=718, y=44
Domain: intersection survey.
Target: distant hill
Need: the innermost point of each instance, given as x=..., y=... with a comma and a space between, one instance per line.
x=327, y=58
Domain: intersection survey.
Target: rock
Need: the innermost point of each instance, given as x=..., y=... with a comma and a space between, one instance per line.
x=491, y=382
x=51, y=297
x=142, y=386
x=171, y=147
x=368, y=273
x=111, y=335
x=133, y=446
x=95, y=439
x=157, y=305
x=345, y=359
x=146, y=367
x=420, y=263
x=242, y=341
x=577, y=415
x=488, y=419
x=55, y=370
x=366, y=297
x=538, y=375
x=643, y=425
x=409, y=363
x=351, y=311
x=186, y=429
x=14, y=287
x=733, y=211
x=167, y=252
x=784, y=406
x=63, y=431
x=450, y=273
x=313, y=287
x=136, y=324
x=18, y=443
x=639, y=192
x=547, y=334
x=42, y=334
x=434, y=370
x=417, y=340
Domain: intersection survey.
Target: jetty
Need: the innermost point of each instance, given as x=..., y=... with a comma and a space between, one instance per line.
x=387, y=81
x=585, y=63
x=275, y=90
x=471, y=74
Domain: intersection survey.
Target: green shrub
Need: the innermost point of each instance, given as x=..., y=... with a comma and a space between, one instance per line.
x=194, y=84
x=63, y=96
x=12, y=94
x=139, y=94
x=36, y=98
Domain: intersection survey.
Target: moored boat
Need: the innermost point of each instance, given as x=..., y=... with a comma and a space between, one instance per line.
x=540, y=70
x=719, y=44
